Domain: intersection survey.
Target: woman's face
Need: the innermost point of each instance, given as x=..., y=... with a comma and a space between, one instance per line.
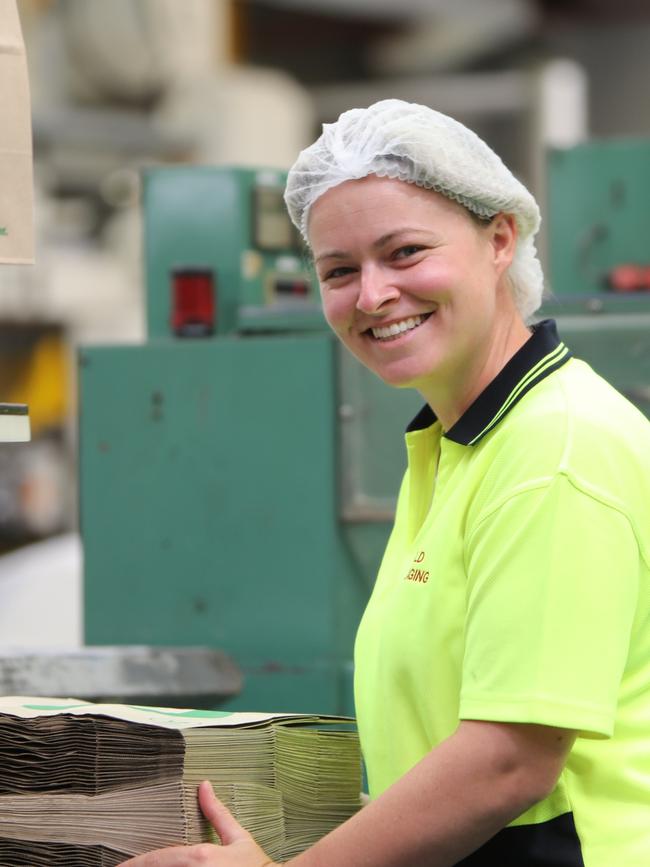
x=410, y=283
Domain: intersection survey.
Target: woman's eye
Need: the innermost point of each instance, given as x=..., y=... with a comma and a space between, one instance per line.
x=406, y=251
x=337, y=272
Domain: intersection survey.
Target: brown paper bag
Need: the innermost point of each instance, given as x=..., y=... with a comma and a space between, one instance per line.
x=16, y=187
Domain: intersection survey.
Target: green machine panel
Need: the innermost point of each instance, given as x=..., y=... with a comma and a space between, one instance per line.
x=599, y=220
x=209, y=510
x=599, y=248
x=230, y=224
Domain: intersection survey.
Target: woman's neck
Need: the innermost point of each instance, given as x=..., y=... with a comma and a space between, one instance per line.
x=450, y=399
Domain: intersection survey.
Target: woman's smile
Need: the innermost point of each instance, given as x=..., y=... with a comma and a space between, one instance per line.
x=393, y=331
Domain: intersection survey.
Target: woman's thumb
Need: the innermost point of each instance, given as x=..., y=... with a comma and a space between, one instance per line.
x=219, y=816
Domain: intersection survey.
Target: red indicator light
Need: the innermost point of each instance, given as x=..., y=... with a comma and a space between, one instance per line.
x=193, y=302
x=287, y=288
x=629, y=278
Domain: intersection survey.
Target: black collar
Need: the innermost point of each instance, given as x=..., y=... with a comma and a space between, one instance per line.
x=542, y=353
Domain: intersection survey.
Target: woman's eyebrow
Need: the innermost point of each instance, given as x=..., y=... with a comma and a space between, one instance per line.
x=332, y=254
x=390, y=236
x=380, y=242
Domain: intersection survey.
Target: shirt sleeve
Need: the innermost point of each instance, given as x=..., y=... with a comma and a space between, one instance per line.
x=553, y=577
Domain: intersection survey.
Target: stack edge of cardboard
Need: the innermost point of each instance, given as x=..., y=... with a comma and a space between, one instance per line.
x=86, y=785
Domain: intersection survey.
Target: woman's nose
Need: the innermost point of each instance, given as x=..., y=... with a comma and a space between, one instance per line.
x=376, y=291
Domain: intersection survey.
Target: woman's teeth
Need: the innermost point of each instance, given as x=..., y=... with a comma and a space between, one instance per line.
x=397, y=328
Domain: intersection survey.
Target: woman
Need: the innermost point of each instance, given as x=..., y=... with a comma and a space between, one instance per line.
x=503, y=663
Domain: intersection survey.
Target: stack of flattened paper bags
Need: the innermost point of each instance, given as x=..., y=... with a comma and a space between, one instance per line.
x=89, y=785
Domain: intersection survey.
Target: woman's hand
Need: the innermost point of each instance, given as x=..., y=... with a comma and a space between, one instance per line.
x=238, y=849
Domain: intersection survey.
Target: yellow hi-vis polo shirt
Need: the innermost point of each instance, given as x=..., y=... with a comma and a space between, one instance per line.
x=516, y=588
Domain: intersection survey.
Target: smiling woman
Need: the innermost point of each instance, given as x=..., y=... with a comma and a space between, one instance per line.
x=416, y=289
x=502, y=666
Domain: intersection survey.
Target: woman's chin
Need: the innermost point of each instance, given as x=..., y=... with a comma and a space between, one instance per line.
x=402, y=378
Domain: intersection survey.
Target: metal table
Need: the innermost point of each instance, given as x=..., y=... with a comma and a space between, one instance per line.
x=169, y=676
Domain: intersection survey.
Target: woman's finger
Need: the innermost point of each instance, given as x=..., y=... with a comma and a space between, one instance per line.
x=246, y=852
x=219, y=816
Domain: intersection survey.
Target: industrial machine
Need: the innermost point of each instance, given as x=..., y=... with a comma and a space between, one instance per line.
x=599, y=246
x=238, y=471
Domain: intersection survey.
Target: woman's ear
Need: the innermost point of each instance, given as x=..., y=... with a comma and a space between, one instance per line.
x=503, y=239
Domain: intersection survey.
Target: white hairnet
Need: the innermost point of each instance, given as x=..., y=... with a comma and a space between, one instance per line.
x=416, y=144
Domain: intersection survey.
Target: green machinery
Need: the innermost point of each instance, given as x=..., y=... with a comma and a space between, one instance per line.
x=599, y=246
x=238, y=471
